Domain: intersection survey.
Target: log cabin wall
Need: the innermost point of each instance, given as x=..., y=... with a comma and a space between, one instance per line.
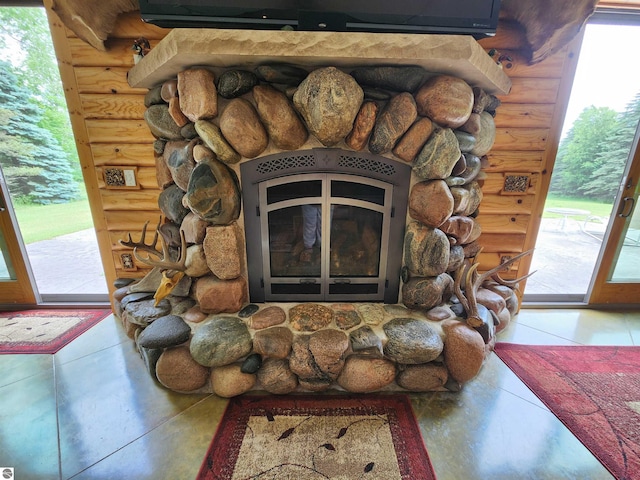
x=107, y=120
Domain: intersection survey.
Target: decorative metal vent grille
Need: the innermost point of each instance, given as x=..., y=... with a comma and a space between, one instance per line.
x=286, y=163
x=367, y=165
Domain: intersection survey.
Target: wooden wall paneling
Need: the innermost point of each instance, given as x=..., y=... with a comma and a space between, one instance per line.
x=132, y=154
x=105, y=80
x=524, y=115
x=131, y=221
x=507, y=204
x=532, y=90
x=500, y=242
x=520, y=139
x=504, y=224
x=65, y=62
x=120, y=131
x=110, y=106
x=510, y=161
x=133, y=200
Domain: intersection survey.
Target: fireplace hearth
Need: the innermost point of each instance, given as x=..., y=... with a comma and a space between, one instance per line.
x=319, y=223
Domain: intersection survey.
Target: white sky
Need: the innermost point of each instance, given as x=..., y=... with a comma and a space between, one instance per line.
x=608, y=73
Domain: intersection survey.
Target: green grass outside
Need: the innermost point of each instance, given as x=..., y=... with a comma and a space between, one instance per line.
x=596, y=207
x=43, y=222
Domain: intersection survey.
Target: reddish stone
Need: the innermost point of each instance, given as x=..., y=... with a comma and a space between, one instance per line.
x=194, y=228
x=392, y=123
x=309, y=317
x=176, y=113
x=221, y=296
x=431, y=202
x=163, y=174
x=362, y=126
x=194, y=315
x=412, y=142
x=276, y=377
x=446, y=100
x=223, y=246
x=243, y=129
x=169, y=90
x=273, y=342
x=197, y=93
x=423, y=378
x=286, y=130
x=328, y=348
x=268, y=317
x=177, y=370
x=464, y=350
x=366, y=374
x=491, y=300
x=462, y=229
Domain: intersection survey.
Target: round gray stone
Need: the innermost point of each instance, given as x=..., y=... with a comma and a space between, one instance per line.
x=220, y=341
x=412, y=341
x=165, y=332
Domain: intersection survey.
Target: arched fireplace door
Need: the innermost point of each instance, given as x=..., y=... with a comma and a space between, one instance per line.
x=324, y=225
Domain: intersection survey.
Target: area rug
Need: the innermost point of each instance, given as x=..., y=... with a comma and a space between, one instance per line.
x=313, y=437
x=44, y=331
x=594, y=391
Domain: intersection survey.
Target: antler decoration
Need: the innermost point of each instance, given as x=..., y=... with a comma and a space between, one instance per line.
x=172, y=271
x=473, y=281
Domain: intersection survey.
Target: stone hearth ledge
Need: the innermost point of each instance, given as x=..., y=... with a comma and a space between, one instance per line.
x=456, y=55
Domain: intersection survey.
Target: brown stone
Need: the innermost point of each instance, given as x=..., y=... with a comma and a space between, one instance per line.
x=486, y=135
x=243, y=129
x=431, y=202
x=273, y=342
x=366, y=374
x=202, y=152
x=371, y=313
x=412, y=142
x=169, y=90
x=481, y=100
x=329, y=100
x=461, y=229
x=194, y=315
x=163, y=174
x=212, y=136
x=196, y=262
x=328, y=348
x=446, y=100
x=463, y=350
x=439, y=313
x=346, y=316
x=213, y=193
x=456, y=258
x=466, y=199
x=392, y=123
x=286, y=130
x=309, y=317
x=301, y=361
x=177, y=370
x=197, y=93
x=194, y=228
x=228, y=381
x=426, y=250
x=423, y=378
x=425, y=293
x=268, y=317
x=176, y=113
x=438, y=156
x=178, y=156
x=221, y=296
x=472, y=125
x=491, y=300
x=276, y=377
x=223, y=246
x=362, y=126
x=314, y=384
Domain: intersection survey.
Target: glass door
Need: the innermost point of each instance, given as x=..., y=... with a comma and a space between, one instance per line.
x=16, y=281
x=617, y=280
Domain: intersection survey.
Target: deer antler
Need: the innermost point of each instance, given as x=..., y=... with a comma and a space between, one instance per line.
x=164, y=262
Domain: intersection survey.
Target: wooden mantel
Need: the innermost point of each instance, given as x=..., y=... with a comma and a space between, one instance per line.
x=458, y=55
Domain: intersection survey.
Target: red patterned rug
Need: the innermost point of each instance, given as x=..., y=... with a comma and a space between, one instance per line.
x=594, y=391
x=44, y=331
x=309, y=437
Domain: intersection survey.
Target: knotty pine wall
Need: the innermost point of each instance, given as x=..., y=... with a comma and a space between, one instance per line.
x=107, y=119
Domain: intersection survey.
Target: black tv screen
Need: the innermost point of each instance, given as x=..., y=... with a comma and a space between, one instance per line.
x=475, y=17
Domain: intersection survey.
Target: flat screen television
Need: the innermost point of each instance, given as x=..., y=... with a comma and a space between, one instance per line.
x=474, y=17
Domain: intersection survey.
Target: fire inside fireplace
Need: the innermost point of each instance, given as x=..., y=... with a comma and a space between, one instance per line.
x=324, y=225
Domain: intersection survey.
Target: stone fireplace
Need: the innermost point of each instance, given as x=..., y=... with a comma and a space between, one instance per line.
x=319, y=215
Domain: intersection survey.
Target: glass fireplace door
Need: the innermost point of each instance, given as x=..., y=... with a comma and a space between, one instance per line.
x=324, y=237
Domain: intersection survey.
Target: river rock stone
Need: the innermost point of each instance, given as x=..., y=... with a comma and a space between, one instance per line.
x=223, y=246
x=423, y=378
x=197, y=93
x=251, y=364
x=439, y=313
x=153, y=96
x=425, y=293
x=281, y=73
x=329, y=100
x=248, y=310
x=397, y=79
x=411, y=341
x=214, y=139
x=193, y=228
x=161, y=123
x=431, y=202
x=466, y=141
x=196, y=262
x=426, y=250
x=456, y=258
x=179, y=159
x=486, y=135
x=189, y=131
x=371, y=313
x=194, y=315
x=163, y=174
x=472, y=125
x=286, y=130
x=301, y=360
x=229, y=381
x=221, y=296
x=365, y=341
x=446, y=100
x=178, y=371
x=309, y=317
x=438, y=156
x=167, y=331
x=362, y=126
x=144, y=312
x=213, y=193
x=362, y=374
x=273, y=342
x=268, y=317
x=461, y=229
x=463, y=350
x=473, y=165
x=491, y=300
x=276, y=377
x=466, y=199
x=234, y=83
x=392, y=123
x=346, y=316
x=328, y=348
x=170, y=202
x=175, y=112
x=220, y=341
x=412, y=142
x=169, y=90
x=243, y=129
x=481, y=100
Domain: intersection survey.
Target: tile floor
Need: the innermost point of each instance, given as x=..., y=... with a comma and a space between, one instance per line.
x=92, y=412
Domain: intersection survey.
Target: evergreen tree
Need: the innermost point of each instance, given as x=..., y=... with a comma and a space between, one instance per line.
x=37, y=168
x=615, y=150
x=580, y=152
